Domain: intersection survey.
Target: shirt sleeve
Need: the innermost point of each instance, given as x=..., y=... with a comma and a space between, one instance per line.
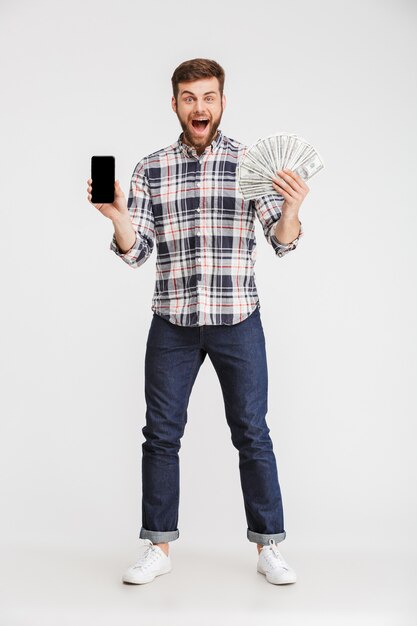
x=268, y=210
x=141, y=215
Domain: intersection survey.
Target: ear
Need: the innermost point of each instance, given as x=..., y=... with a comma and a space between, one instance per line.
x=224, y=101
x=173, y=104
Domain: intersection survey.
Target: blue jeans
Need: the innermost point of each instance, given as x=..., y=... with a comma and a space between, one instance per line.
x=174, y=355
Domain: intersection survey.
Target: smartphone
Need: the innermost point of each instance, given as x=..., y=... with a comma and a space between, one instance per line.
x=102, y=175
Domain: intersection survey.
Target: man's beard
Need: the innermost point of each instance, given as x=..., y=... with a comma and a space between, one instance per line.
x=200, y=142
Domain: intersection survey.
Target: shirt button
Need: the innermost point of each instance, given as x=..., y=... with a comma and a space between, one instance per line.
x=198, y=233
x=199, y=259
x=198, y=209
x=197, y=184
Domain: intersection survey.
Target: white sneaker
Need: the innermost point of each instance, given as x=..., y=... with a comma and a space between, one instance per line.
x=153, y=562
x=272, y=564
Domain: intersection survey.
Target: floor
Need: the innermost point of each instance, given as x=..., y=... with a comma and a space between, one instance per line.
x=46, y=586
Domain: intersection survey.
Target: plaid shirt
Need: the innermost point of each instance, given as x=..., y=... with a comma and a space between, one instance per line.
x=204, y=230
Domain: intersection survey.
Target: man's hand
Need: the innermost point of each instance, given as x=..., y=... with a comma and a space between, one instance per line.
x=293, y=188
x=118, y=209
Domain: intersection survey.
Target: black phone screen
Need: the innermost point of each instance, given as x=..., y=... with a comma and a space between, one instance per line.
x=102, y=175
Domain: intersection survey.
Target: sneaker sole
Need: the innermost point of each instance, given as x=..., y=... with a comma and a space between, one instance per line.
x=278, y=582
x=131, y=580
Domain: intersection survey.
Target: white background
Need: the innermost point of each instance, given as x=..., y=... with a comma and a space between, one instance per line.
x=338, y=313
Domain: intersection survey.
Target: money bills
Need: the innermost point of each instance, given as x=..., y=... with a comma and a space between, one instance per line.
x=276, y=152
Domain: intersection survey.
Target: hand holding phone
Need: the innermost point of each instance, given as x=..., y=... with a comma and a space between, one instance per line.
x=103, y=191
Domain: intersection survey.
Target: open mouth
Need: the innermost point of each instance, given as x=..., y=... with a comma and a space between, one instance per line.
x=200, y=125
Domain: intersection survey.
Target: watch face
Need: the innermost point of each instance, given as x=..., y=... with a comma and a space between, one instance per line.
x=262, y=160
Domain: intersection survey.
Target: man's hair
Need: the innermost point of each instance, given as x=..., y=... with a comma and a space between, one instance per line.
x=195, y=69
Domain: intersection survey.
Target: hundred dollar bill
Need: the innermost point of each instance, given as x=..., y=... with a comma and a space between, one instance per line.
x=310, y=167
x=258, y=153
x=250, y=169
x=256, y=165
x=301, y=156
x=267, y=156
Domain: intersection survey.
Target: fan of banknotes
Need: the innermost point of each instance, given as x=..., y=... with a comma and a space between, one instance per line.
x=276, y=152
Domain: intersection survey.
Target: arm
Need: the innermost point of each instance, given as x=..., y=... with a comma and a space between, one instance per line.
x=138, y=230
x=287, y=229
x=268, y=210
x=124, y=234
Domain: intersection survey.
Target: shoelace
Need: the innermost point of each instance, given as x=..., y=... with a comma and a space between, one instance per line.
x=148, y=556
x=273, y=549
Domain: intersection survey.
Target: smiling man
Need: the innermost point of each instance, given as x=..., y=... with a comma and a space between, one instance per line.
x=185, y=199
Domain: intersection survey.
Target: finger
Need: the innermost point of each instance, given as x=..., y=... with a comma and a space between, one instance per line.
x=297, y=178
x=293, y=193
x=281, y=191
x=97, y=206
x=118, y=190
x=290, y=181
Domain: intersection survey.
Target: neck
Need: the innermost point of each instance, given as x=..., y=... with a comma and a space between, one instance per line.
x=200, y=149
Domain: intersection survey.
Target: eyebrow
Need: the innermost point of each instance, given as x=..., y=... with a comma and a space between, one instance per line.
x=193, y=94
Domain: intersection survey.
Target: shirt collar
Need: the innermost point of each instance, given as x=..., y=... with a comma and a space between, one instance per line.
x=191, y=151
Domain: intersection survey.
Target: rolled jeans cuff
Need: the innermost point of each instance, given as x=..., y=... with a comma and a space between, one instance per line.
x=158, y=536
x=264, y=539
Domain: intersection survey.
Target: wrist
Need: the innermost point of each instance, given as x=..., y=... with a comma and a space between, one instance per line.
x=287, y=229
x=121, y=218
x=289, y=219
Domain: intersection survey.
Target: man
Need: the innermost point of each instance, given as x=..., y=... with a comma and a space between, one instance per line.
x=185, y=197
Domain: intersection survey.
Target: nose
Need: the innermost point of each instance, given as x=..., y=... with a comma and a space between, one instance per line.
x=199, y=108
x=200, y=113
